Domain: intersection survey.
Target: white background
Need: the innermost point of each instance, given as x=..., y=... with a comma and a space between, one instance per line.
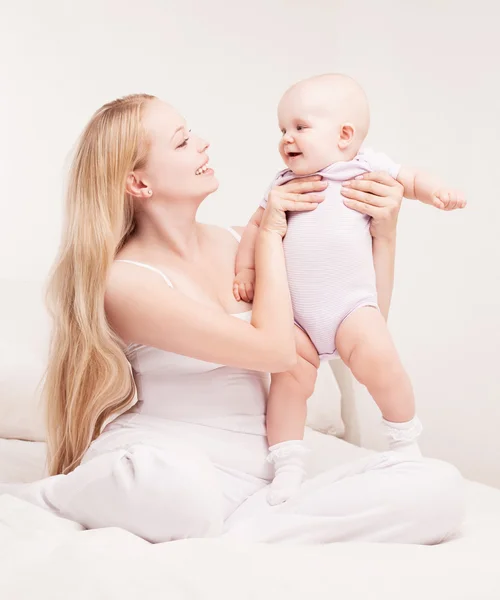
x=432, y=75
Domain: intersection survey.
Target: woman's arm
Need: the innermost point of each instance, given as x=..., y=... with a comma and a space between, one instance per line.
x=245, y=258
x=379, y=196
x=384, y=254
x=142, y=309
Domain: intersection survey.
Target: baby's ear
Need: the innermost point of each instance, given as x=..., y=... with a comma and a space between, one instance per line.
x=346, y=135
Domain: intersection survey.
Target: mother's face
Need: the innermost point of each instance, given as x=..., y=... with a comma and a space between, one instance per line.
x=176, y=167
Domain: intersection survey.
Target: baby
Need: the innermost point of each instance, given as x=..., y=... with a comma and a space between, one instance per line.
x=324, y=121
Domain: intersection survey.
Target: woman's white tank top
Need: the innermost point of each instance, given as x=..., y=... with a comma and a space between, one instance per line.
x=178, y=388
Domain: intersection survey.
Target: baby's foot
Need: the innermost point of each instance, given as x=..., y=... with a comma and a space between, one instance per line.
x=403, y=437
x=288, y=460
x=284, y=486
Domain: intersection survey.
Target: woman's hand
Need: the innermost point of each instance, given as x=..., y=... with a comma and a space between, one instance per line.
x=297, y=195
x=379, y=196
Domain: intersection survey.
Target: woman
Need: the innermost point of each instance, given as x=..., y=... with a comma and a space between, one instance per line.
x=140, y=282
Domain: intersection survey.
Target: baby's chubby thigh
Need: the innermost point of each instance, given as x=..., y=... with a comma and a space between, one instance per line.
x=154, y=486
x=366, y=346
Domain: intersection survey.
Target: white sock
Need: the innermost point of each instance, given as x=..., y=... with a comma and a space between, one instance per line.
x=402, y=437
x=289, y=472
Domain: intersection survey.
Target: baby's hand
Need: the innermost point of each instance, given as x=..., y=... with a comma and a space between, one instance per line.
x=243, y=285
x=447, y=199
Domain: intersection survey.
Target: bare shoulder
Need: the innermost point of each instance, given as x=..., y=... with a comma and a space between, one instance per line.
x=122, y=279
x=223, y=233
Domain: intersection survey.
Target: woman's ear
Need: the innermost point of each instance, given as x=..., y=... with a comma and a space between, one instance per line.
x=136, y=187
x=346, y=135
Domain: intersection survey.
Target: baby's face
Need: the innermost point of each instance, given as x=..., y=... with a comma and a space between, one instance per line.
x=310, y=132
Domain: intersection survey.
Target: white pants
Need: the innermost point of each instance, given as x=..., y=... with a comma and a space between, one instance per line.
x=163, y=488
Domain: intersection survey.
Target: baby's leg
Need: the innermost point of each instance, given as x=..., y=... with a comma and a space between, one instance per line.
x=286, y=418
x=287, y=402
x=365, y=345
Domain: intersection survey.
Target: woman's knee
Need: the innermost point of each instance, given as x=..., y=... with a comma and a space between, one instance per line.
x=438, y=502
x=158, y=493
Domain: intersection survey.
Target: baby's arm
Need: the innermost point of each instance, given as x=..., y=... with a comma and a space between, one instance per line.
x=421, y=186
x=245, y=259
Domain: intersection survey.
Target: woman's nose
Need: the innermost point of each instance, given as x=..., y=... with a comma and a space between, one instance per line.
x=203, y=145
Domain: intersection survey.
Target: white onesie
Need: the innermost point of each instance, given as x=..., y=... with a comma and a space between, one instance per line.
x=328, y=254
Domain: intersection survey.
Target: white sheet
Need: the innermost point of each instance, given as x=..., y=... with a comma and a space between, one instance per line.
x=42, y=556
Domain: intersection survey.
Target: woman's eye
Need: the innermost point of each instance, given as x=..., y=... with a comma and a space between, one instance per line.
x=184, y=143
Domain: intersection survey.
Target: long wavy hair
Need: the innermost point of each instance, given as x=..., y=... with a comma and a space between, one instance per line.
x=89, y=378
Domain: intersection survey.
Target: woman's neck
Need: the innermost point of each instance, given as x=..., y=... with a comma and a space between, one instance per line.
x=170, y=226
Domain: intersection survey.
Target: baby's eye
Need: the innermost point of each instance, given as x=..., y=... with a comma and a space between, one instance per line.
x=300, y=127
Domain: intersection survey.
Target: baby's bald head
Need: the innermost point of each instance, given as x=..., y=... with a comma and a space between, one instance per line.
x=333, y=94
x=334, y=108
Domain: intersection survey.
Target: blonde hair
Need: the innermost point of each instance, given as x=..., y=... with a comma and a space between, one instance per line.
x=88, y=378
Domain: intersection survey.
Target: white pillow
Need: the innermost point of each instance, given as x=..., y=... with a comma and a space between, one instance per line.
x=24, y=334
x=21, y=414
x=21, y=462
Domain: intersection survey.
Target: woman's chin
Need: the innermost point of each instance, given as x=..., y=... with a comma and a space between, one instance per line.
x=206, y=184
x=211, y=184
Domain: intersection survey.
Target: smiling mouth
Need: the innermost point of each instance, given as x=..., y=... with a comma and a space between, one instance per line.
x=294, y=154
x=202, y=169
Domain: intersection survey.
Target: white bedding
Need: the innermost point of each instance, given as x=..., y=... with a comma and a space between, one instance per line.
x=42, y=556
